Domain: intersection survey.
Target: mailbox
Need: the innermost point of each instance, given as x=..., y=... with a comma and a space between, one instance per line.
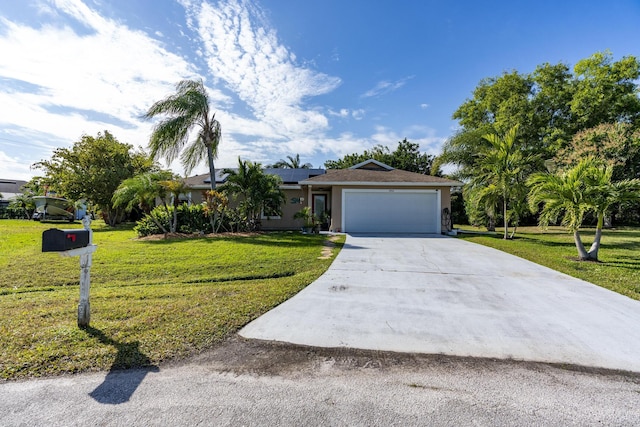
x=56, y=240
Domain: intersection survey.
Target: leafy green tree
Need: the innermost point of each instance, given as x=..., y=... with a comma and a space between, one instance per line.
x=406, y=156
x=616, y=144
x=256, y=192
x=606, y=91
x=587, y=187
x=185, y=110
x=550, y=105
x=92, y=169
x=292, y=163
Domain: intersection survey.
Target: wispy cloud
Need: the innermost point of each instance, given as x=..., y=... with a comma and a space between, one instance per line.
x=97, y=71
x=425, y=136
x=81, y=72
x=383, y=87
x=243, y=51
x=345, y=113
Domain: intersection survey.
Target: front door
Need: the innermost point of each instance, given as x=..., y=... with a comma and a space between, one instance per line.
x=320, y=207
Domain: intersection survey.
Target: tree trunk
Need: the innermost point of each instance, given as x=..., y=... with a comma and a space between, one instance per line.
x=491, y=225
x=506, y=220
x=212, y=177
x=212, y=169
x=174, y=223
x=582, y=252
x=154, y=219
x=593, y=251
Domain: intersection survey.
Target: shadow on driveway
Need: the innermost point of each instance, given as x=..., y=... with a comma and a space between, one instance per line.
x=119, y=385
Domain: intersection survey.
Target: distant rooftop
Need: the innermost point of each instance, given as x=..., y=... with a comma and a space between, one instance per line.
x=288, y=176
x=11, y=187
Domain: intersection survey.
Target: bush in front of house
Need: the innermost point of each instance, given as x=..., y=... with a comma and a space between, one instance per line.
x=191, y=219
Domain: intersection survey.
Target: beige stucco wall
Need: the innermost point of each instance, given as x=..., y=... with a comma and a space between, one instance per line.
x=334, y=202
x=291, y=205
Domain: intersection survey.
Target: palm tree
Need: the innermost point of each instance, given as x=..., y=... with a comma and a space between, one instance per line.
x=587, y=187
x=142, y=191
x=24, y=203
x=500, y=174
x=174, y=187
x=603, y=194
x=292, y=163
x=188, y=108
x=257, y=193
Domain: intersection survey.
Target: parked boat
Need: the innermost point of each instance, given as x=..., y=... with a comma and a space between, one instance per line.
x=48, y=207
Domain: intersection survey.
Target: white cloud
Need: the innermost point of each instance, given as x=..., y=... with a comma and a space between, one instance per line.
x=12, y=167
x=345, y=113
x=242, y=50
x=383, y=87
x=58, y=83
x=424, y=106
x=63, y=77
x=358, y=114
x=422, y=135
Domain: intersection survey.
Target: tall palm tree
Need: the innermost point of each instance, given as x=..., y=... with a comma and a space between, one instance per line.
x=292, y=163
x=587, y=187
x=185, y=110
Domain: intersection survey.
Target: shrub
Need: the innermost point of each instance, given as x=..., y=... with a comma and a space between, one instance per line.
x=191, y=219
x=147, y=226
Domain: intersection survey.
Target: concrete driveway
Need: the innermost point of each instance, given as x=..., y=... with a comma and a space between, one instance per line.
x=440, y=295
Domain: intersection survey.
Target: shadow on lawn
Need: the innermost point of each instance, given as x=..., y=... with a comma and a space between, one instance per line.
x=120, y=384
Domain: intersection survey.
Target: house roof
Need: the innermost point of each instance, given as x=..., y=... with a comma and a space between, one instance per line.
x=11, y=187
x=367, y=173
x=372, y=172
x=288, y=176
x=372, y=164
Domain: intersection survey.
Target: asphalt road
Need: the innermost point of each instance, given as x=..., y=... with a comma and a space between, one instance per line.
x=257, y=384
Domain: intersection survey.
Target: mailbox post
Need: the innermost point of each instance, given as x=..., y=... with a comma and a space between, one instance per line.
x=69, y=243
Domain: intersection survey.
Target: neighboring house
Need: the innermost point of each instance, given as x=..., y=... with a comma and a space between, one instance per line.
x=9, y=188
x=368, y=197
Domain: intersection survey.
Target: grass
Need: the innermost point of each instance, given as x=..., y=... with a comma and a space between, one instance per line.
x=150, y=300
x=618, y=269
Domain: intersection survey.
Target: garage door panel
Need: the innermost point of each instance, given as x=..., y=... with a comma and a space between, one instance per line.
x=391, y=211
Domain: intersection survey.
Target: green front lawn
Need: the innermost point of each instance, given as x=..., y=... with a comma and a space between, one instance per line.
x=151, y=300
x=618, y=269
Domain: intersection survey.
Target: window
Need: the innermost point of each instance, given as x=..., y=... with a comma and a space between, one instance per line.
x=270, y=211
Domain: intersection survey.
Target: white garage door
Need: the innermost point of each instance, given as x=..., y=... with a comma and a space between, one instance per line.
x=391, y=211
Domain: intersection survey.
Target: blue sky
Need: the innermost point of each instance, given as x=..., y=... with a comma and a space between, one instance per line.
x=322, y=79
